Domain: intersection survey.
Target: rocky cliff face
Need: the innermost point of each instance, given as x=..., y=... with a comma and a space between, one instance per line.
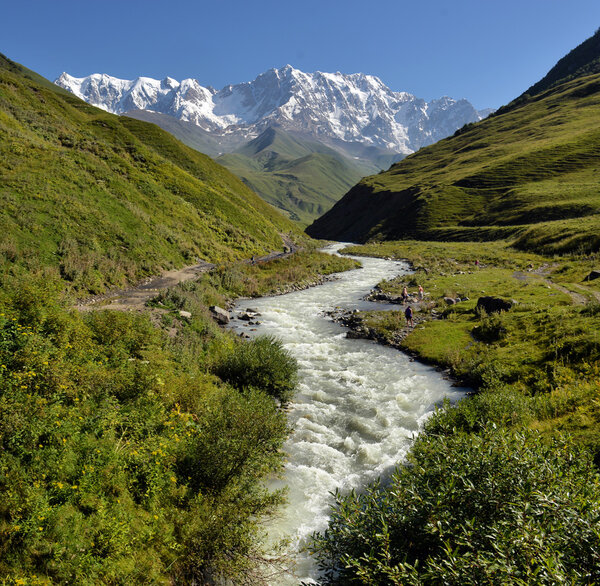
x=325, y=106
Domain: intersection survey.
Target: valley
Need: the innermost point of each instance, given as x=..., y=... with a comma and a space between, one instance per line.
x=299, y=140
x=196, y=389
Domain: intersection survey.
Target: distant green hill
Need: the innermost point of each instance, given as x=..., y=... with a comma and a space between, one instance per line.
x=188, y=133
x=299, y=176
x=106, y=199
x=530, y=173
x=302, y=178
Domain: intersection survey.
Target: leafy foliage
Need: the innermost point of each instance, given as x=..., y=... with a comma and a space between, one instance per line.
x=483, y=499
x=495, y=508
x=123, y=458
x=262, y=362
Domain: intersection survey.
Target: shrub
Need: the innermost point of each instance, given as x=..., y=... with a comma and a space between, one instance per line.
x=498, y=406
x=499, y=508
x=123, y=460
x=262, y=363
x=491, y=329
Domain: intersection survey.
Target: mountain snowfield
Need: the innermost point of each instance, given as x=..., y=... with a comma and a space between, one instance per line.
x=329, y=107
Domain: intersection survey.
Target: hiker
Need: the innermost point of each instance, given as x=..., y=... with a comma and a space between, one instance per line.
x=421, y=292
x=404, y=295
x=408, y=313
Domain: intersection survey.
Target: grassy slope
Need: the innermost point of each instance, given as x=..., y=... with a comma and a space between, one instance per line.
x=187, y=132
x=107, y=199
x=302, y=178
x=583, y=60
x=530, y=172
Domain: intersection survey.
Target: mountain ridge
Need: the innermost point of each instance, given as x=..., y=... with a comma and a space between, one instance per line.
x=331, y=106
x=362, y=126
x=301, y=178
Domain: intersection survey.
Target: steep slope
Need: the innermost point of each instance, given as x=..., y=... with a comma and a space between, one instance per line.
x=302, y=178
x=107, y=199
x=187, y=132
x=581, y=61
x=529, y=173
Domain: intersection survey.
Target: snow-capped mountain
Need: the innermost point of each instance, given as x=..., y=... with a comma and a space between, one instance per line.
x=326, y=106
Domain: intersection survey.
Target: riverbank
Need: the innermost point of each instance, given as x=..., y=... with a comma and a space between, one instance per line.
x=550, y=327
x=501, y=467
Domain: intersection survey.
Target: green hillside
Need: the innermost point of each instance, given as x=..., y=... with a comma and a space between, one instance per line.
x=276, y=167
x=187, y=132
x=135, y=446
x=529, y=173
x=106, y=200
x=302, y=178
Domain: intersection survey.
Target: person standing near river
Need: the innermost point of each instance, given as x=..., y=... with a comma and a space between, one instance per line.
x=408, y=313
x=404, y=295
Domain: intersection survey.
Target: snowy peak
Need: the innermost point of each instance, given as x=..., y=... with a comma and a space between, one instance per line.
x=327, y=106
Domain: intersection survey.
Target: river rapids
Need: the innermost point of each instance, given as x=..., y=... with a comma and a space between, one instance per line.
x=357, y=405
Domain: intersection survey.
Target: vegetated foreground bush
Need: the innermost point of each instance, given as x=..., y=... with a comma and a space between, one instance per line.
x=122, y=460
x=262, y=362
x=497, y=508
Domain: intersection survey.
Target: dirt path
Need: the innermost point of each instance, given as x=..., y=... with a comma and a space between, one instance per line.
x=135, y=298
x=577, y=298
x=595, y=294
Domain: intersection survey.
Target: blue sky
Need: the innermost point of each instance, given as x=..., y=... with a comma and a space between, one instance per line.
x=487, y=51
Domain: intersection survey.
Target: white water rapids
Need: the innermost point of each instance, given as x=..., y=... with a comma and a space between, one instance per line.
x=357, y=404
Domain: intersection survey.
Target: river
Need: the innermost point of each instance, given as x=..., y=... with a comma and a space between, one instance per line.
x=357, y=405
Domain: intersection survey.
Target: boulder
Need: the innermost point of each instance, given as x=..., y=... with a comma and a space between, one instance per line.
x=450, y=300
x=355, y=334
x=494, y=304
x=594, y=274
x=245, y=317
x=185, y=314
x=219, y=314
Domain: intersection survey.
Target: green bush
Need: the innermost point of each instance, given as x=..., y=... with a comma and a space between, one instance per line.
x=497, y=508
x=498, y=406
x=491, y=329
x=262, y=363
x=122, y=459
